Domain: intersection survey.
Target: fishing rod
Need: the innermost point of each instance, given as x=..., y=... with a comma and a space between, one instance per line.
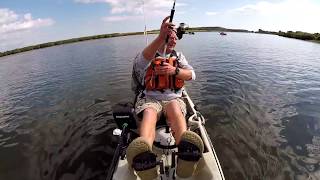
x=170, y=20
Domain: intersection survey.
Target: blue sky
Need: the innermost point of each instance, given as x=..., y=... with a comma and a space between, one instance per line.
x=28, y=22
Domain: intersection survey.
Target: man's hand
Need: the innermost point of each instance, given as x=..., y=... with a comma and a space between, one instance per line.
x=165, y=69
x=166, y=29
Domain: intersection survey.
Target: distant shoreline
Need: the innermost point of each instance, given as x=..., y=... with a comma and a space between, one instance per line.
x=67, y=41
x=102, y=36
x=298, y=35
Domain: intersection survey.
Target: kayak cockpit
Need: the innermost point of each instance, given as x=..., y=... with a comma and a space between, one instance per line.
x=164, y=146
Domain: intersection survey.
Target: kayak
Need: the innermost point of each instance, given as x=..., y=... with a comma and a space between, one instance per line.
x=164, y=146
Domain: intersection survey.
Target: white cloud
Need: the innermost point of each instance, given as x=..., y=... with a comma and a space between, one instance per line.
x=11, y=22
x=151, y=8
x=7, y=16
x=137, y=17
x=252, y=8
x=19, y=30
x=120, y=18
x=211, y=13
x=285, y=15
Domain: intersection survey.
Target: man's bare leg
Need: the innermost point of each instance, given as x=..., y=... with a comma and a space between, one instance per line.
x=176, y=119
x=148, y=125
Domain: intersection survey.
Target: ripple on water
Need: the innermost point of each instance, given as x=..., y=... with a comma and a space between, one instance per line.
x=259, y=94
x=81, y=149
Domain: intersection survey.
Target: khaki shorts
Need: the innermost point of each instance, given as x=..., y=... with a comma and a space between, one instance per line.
x=145, y=102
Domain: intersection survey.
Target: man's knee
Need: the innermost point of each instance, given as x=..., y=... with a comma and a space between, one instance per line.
x=149, y=114
x=149, y=111
x=148, y=106
x=174, y=107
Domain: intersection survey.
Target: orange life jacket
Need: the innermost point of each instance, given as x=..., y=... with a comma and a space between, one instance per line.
x=162, y=82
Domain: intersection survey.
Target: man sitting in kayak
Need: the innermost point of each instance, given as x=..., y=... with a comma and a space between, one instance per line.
x=162, y=81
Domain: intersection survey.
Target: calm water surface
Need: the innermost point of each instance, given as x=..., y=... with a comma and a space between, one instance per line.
x=259, y=93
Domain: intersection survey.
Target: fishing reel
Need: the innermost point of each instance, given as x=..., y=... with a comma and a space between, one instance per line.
x=183, y=27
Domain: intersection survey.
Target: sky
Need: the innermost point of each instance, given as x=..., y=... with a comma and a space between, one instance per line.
x=29, y=22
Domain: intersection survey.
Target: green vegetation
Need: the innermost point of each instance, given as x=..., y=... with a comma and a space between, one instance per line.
x=300, y=35
x=73, y=40
x=215, y=29
x=297, y=35
x=266, y=32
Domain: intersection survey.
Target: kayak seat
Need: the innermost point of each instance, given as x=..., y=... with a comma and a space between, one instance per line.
x=162, y=121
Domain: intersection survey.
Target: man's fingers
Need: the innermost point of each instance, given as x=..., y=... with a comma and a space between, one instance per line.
x=168, y=24
x=171, y=26
x=165, y=19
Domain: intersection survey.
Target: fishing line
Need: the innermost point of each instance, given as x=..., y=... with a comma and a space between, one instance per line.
x=145, y=33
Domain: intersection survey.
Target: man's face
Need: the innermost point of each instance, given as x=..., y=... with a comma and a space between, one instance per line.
x=172, y=40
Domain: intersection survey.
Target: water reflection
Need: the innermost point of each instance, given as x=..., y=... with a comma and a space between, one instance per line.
x=259, y=93
x=80, y=149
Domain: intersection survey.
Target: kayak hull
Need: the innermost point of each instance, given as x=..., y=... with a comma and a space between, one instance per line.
x=208, y=168
x=210, y=171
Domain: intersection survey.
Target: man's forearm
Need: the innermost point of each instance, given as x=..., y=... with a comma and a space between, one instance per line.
x=184, y=74
x=150, y=51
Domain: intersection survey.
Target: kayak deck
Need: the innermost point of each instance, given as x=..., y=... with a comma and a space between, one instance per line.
x=210, y=171
x=208, y=168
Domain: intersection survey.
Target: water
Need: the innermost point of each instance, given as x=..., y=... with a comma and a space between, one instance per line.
x=260, y=94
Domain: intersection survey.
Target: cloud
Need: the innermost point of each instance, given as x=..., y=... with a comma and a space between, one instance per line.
x=11, y=22
x=211, y=13
x=125, y=8
x=252, y=8
x=7, y=16
x=20, y=30
x=121, y=18
x=282, y=15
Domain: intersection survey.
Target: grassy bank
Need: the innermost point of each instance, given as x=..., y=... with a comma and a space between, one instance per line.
x=300, y=35
x=290, y=34
x=216, y=29
x=67, y=41
x=73, y=40
x=296, y=35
